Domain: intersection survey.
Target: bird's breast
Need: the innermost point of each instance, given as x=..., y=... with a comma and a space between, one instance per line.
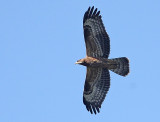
x=93, y=62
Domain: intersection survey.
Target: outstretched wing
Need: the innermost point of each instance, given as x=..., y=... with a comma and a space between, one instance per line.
x=96, y=38
x=96, y=86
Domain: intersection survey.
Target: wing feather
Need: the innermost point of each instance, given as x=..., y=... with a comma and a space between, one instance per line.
x=96, y=86
x=96, y=38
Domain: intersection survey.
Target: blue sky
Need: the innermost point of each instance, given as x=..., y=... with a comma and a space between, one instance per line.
x=41, y=40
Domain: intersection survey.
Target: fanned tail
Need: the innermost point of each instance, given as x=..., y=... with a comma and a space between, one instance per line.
x=122, y=66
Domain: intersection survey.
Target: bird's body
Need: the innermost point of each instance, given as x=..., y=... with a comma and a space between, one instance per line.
x=98, y=62
x=97, y=42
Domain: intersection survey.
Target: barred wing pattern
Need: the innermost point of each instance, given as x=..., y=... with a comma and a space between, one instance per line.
x=96, y=38
x=96, y=86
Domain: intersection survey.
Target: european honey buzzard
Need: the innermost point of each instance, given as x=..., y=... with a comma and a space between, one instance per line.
x=97, y=42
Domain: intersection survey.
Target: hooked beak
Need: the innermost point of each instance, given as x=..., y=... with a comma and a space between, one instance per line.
x=78, y=62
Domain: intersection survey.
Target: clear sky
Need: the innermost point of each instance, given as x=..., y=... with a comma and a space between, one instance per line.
x=41, y=40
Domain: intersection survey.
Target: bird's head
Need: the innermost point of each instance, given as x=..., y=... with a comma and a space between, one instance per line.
x=82, y=62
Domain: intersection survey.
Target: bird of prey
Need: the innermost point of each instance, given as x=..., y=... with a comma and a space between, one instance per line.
x=97, y=42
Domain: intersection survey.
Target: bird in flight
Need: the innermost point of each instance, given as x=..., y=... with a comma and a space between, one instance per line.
x=97, y=43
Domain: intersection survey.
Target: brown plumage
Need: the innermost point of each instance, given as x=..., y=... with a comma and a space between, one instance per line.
x=97, y=42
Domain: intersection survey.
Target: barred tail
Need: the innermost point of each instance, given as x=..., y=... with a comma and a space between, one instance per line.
x=122, y=66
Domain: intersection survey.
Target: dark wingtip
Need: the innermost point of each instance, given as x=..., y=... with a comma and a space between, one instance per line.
x=89, y=9
x=98, y=13
x=97, y=109
x=94, y=109
x=95, y=11
x=91, y=107
x=91, y=13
